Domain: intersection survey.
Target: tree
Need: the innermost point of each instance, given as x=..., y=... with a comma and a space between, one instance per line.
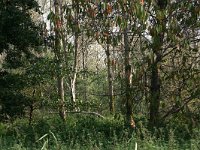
x=19, y=35
x=59, y=58
x=17, y=25
x=169, y=31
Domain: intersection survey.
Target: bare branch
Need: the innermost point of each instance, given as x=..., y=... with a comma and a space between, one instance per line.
x=86, y=113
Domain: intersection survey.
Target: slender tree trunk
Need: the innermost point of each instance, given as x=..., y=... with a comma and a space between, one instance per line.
x=73, y=81
x=61, y=98
x=154, y=95
x=73, y=91
x=73, y=78
x=84, y=53
x=110, y=81
x=129, y=102
x=58, y=54
x=84, y=60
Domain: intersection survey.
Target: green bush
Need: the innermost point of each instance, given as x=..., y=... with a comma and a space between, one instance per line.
x=88, y=132
x=3, y=128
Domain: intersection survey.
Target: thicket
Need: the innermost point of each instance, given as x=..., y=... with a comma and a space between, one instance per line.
x=88, y=132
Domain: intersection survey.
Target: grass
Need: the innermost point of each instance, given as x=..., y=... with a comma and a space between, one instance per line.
x=88, y=133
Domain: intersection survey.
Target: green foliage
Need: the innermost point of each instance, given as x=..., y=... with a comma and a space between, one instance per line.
x=28, y=81
x=11, y=100
x=89, y=133
x=19, y=35
x=17, y=30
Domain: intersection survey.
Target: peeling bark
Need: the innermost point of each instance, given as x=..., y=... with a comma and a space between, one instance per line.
x=60, y=78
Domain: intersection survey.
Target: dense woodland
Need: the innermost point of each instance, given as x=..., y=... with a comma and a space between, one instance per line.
x=100, y=74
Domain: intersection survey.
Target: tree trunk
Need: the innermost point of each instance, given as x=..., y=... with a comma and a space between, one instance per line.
x=61, y=98
x=58, y=55
x=73, y=91
x=73, y=80
x=110, y=81
x=154, y=96
x=84, y=65
x=155, y=78
x=128, y=99
x=74, y=71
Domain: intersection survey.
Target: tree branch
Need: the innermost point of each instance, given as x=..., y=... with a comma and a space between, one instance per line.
x=174, y=108
x=86, y=113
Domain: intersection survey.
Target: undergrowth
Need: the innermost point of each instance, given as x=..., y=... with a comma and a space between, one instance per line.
x=89, y=133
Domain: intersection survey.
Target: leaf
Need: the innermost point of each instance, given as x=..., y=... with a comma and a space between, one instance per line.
x=42, y=137
x=119, y=20
x=109, y=9
x=44, y=147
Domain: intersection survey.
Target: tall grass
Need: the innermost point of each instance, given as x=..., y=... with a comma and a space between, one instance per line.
x=88, y=133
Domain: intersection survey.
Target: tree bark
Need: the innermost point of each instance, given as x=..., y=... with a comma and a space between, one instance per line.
x=61, y=98
x=110, y=80
x=154, y=95
x=84, y=65
x=74, y=71
x=73, y=79
x=58, y=54
x=128, y=99
x=155, y=78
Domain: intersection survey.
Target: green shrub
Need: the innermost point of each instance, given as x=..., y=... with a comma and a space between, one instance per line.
x=3, y=129
x=89, y=132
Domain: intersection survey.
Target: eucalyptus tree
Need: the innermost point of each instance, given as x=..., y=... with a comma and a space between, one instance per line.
x=116, y=23
x=130, y=20
x=68, y=25
x=184, y=58
x=101, y=21
x=73, y=23
x=58, y=51
x=170, y=30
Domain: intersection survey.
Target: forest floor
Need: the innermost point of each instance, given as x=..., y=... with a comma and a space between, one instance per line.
x=90, y=133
